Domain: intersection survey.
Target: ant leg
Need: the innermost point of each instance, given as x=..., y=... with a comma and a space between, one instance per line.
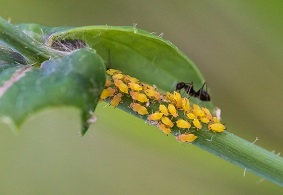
x=190, y=89
x=201, y=90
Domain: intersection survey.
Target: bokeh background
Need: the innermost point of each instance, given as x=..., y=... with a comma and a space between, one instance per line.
x=237, y=45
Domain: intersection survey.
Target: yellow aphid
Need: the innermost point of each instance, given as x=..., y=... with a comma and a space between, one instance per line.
x=112, y=71
x=152, y=94
x=116, y=100
x=155, y=116
x=172, y=110
x=186, y=104
x=216, y=127
x=182, y=124
x=197, y=124
x=170, y=97
x=216, y=120
x=138, y=96
x=204, y=120
x=163, y=109
x=139, y=108
x=104, y=94
x=178, y=99
x=191, y=116
x=109, y=92
x=108, y=82
x=195, y=106
x=121, y=85
x=129, y=79
x=167, y=122
x=186, y=137
x=208, y=114
x=163, y=128
x=198, y=111
x=146, y=86
x=135, y=86
x=117, y=76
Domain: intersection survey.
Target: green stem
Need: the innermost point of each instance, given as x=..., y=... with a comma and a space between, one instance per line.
x=231, y=148
x=31, y=49
x=244, y=154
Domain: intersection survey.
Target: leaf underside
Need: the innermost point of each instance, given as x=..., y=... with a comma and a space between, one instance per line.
x=74, y=80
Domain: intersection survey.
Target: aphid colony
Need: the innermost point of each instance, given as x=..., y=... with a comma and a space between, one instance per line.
x=169, y=109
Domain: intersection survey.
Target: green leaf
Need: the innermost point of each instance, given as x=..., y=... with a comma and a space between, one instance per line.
x=74, y=80
x=136, y=52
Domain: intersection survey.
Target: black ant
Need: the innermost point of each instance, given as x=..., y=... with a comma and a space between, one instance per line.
x=189, y=89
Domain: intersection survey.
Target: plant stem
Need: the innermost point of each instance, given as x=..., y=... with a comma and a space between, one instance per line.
x=231, y=148
x=31, y=49
x=244, y=154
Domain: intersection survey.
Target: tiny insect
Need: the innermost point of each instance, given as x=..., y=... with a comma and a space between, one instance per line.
x=116, y=100
x=163, y=128
x=155, y=116
x=182, y=124
x=139, y=108
x=189, y=89
x=186, y=137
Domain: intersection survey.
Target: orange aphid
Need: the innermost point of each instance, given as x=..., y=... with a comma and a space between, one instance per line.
x=191, y=115
x=186, y=104
x=163, y=109
x=186, y=137
x=117, y=76
x=139, y=108
x=215, y=120
x=108, y=82
x=135, y=86
x=167, y=122
x=104, y=94
x=116, y=100
x=109, y=92
x=152, y=94
x=163, y=128
x=138, y=96
x=172, y=110
x=130, y=79
x=121, y=85
x=204, y=120
x=170, y=97
x=146, y=86
x=182, y=124
x=112, y=71
x=216, y=127
x=207, y=112
x=178, y=99
x=198, y=111
x=197, y=124
x=155, y=116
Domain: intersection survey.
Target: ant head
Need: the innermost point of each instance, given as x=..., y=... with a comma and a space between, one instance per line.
x=180, y=85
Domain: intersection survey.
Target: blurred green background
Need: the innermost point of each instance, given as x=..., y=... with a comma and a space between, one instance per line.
x=238, y=46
